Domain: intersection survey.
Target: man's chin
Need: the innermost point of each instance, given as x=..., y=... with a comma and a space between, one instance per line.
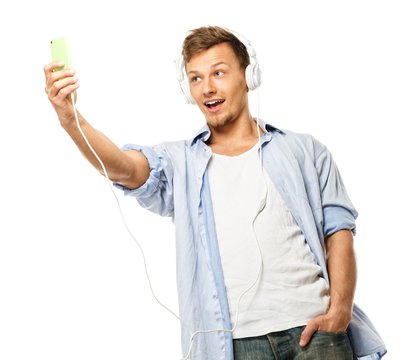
x=218, y=121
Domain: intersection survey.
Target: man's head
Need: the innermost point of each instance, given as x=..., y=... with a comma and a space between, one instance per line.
x=214, y=61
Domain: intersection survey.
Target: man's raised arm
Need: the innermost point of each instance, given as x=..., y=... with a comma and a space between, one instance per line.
x=128, y=168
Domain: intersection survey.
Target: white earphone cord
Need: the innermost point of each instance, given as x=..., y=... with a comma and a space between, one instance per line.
x=119, y=206
x=188, y=355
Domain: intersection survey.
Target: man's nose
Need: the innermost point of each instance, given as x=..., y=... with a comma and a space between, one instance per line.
x=208, y=87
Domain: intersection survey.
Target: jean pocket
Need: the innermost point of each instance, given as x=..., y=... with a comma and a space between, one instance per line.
x=330, y=338
x=329, y=333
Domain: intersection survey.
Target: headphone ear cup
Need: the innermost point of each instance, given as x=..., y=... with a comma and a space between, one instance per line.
x=181, y=77
x=184, y=85
x=253, y=76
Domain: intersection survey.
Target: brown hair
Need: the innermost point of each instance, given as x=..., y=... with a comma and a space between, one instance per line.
x=204, y=38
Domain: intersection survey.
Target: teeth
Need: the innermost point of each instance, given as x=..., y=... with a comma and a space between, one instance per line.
x=213, y=102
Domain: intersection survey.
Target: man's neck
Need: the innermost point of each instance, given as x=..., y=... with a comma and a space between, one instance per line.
x=234, y=138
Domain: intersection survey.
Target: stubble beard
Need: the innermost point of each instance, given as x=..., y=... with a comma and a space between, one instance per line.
x=219, y=121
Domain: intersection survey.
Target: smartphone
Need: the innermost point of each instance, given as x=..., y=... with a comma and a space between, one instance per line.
x=60, y=52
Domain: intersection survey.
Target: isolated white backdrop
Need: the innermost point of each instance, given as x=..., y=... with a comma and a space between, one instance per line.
x=72, y=284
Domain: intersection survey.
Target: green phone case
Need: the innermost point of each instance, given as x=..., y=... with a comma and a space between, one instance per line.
x=60, y=52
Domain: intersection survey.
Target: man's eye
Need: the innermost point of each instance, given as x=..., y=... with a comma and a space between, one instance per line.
x=219, y=73
x=195, y=79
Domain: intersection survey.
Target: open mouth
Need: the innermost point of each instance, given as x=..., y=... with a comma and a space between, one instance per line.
x=214, y=104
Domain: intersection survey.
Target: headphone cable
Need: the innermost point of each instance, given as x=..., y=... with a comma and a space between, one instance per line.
x=119, y=206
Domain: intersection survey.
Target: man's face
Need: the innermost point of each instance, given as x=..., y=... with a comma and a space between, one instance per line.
x=217, y=83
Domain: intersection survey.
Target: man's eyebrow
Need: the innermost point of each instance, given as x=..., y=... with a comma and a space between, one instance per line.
x=212, y=66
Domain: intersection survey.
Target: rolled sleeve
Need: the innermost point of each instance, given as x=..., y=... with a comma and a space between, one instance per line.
x=338, y=218
x=338, y=211
x=156, y=193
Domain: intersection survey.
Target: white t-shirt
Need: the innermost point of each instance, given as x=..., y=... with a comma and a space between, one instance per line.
x=290, y=290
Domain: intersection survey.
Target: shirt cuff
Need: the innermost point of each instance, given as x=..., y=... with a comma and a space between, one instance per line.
x=151, y=185
x=338, y=218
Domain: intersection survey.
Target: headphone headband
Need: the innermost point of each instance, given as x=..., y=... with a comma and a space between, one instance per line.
x=253, y=71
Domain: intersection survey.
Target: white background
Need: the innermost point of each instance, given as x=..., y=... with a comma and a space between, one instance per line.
x=72, y=283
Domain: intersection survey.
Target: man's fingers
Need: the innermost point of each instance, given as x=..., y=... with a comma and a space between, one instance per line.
x=51, y=76
x=308, y=332
x=49, y=68
x=61, y=88
x=67, y=90
x=54, y=77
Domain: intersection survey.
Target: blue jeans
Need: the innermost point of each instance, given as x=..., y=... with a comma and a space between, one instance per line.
x=284, y=345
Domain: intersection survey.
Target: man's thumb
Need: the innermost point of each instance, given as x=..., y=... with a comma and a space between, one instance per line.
x=307, y=333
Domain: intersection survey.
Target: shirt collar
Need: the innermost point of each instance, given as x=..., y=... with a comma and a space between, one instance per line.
x=204, y=133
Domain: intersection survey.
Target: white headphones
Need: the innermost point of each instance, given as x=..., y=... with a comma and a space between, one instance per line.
x=253, y=72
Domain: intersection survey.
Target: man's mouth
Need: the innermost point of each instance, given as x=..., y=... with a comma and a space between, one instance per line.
x=214, y=105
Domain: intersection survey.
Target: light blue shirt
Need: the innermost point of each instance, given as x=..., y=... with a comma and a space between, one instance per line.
x=303, y=171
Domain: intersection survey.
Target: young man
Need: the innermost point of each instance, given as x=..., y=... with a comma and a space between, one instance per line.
x=282, y=228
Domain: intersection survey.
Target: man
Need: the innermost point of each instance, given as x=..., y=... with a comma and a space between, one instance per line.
x=265, y=253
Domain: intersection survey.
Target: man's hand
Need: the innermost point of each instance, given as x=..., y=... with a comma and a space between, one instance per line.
x=333, y=322
x=59, y=86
